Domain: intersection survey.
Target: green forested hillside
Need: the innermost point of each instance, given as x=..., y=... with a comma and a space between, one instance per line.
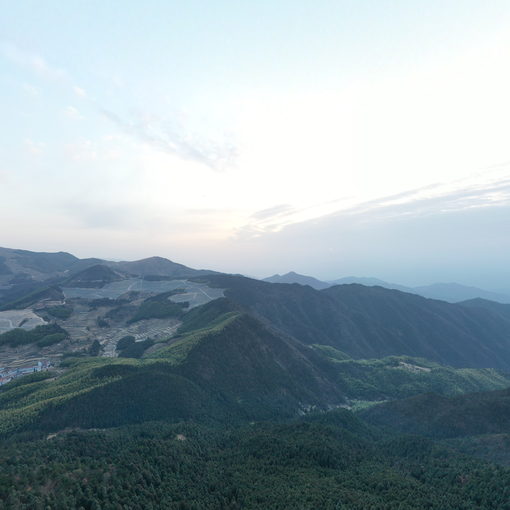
x=158, y=307
x=234, y=368
x=439, y=416
x=223, y=365
x=398, y=377
x=44, y=335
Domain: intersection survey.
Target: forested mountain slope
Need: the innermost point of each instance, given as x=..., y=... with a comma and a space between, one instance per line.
x=223, y=365
x=438, y=416
x=371, y=322
x=497, y=308
x=233, y=366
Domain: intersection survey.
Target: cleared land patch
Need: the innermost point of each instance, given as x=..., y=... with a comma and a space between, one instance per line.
x=26, y=319
x=195, y=293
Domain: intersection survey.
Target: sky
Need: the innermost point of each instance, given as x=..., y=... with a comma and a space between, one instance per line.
x=332, y=138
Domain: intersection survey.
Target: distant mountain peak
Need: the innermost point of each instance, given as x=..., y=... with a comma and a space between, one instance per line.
x=158, y=266
x=456, y=292
x=293, y=277
x=155, y=258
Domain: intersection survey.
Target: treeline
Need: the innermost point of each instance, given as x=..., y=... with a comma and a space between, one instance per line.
x=328, y=463
x=159, y=307
x=60, y=312
x=128, y=347
x=42, y=336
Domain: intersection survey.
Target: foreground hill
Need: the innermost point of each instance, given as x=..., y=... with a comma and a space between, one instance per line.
x=327, y=462
x=373, y=322
x=225, y=363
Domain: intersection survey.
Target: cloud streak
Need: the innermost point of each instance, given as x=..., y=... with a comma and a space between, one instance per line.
x=486, y=189
x=35, y=63
x=214, y=155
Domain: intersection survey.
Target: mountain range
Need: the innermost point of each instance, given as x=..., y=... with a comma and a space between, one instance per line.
x=305, y=394
x=451, y=292
x=24, y=272
x=370, y=322
x=28, y=265
x=23, y=266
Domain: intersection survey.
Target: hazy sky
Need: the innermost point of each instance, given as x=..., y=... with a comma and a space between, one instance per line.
x=328, y=137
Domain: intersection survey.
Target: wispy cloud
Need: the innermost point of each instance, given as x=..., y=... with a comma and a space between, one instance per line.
x=31, y=90
x=176, y=141
x=40, y=67
x=170, y=137
x=34, y=62
x=272, y=212
x=485, y=189
x=72, y=113
x=79, y=91
x=33, y=147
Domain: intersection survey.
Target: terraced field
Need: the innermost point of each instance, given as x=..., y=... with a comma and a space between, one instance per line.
x=82, y=327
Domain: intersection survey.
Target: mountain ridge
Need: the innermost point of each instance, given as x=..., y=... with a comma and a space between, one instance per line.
x=40, y=266
x=450, y=292
x=371, y=322
x=293, y=277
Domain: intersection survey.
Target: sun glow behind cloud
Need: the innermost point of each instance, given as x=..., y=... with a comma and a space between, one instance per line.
x=371, y=139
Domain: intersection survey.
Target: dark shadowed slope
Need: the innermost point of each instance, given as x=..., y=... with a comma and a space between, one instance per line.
x=497, y=308
x=261, y=370
x=372, y=322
